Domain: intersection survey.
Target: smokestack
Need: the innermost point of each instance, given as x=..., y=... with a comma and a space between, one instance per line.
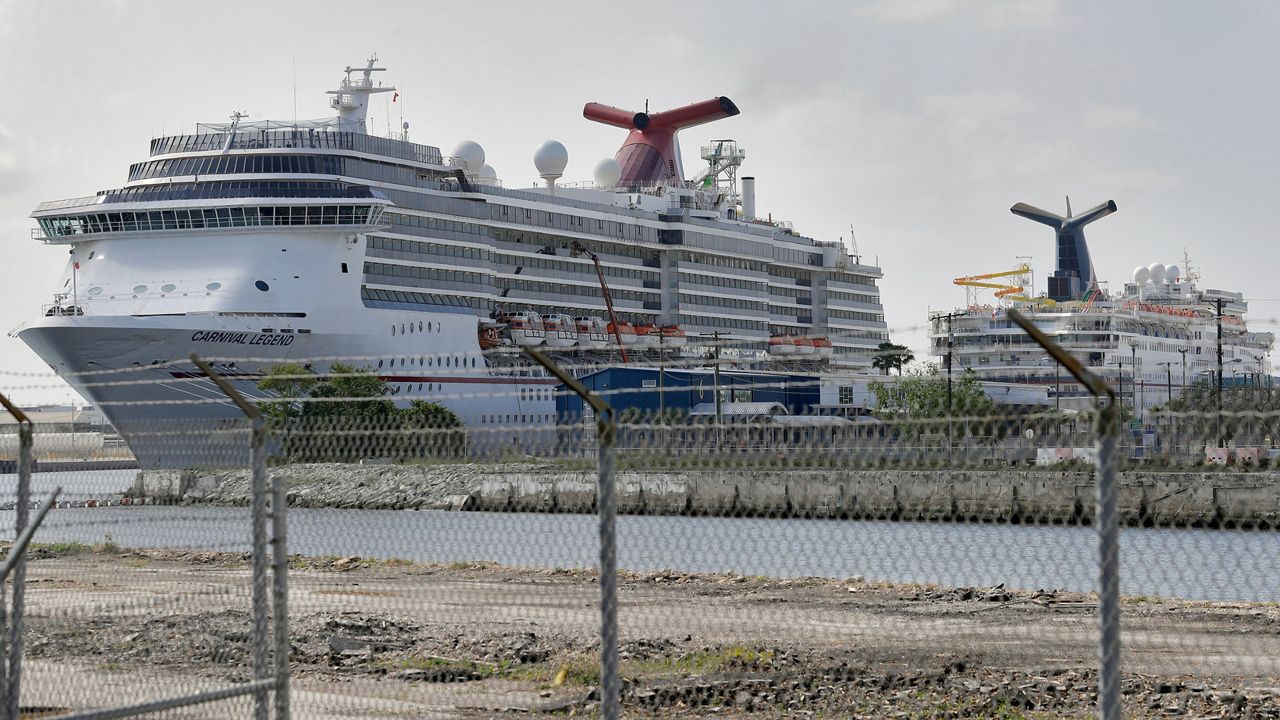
x=1074, y=276
x=749, y=197
x=651, y=153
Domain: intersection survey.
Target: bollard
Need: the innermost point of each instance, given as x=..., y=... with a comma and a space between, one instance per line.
x=606, y=435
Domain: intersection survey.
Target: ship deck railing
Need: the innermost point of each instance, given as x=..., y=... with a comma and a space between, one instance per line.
x=308, y=138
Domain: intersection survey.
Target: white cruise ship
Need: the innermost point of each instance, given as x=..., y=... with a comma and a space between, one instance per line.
x=257, y=242
x=1150, y=341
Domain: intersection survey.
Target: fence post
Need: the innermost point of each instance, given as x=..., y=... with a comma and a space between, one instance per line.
x=258, y=512
x=1108, y=563
x=1105, y=519
x=280, y=589
x=12, y=657
x=606, y=504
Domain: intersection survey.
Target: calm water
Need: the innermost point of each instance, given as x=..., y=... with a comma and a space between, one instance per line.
x=1197, y=564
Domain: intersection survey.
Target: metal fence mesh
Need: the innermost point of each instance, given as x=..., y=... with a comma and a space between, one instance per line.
x=936, y=557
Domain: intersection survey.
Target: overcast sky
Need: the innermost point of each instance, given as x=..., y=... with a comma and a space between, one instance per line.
x=918, y=121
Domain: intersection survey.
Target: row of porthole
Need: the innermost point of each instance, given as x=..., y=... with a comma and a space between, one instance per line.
x=446, y=361
x=511, y=419
x=404, y=330
x=170, y=287
x=535, y=394
x=431, y=387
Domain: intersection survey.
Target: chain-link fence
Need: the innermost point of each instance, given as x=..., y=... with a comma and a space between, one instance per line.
x=935, y=553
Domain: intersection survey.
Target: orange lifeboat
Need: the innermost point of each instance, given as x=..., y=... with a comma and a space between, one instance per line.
x=822, y=347
x=625, y=331
x=782, y=345
x=489, y=336
x=673, y=336
x=804, y=346
x=647, y=335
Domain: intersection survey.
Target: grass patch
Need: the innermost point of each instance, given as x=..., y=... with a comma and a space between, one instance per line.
x=358, y=593
x=584, y=670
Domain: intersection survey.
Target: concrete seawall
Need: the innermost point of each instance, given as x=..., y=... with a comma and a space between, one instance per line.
x=1156, y=499
x=1184, y=499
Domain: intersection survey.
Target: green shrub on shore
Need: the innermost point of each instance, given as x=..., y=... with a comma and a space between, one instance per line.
x=346, y=414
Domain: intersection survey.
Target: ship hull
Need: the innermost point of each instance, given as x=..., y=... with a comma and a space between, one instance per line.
x=135, y=370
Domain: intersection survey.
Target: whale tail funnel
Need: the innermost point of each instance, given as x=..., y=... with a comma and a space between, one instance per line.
x=1074, y=275
x=651, y=153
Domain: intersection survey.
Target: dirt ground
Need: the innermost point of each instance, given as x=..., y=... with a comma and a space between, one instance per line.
x=385, y=639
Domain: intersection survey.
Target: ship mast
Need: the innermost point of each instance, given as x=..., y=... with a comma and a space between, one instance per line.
x=351, y=99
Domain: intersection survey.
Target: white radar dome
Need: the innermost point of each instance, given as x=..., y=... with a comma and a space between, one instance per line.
x=488, y=174
x=471, y=154
x=1141, y=274
x=1157, y=272
x=1172, y=273
x=608, y=171
x=550, y=158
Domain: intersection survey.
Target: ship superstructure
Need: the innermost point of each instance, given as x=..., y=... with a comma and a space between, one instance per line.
x=316, y=239
x=1151, y=341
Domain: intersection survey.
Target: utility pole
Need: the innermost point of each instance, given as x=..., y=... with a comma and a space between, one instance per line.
x=1183, y=351
x=950, y=347
x=951, y=341
x=1120, y=379
x=715, y=370
x=1168, y=377
x=1221, y=439
x=1133, y=372
x=662, y=385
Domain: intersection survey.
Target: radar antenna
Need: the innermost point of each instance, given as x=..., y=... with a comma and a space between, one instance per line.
x=853, y=246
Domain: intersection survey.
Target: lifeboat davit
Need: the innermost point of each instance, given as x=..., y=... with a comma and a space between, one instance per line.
x=782, y=345
x=804, y=346
x=593, y=333
x=625, y=331
x=822, y=348
x=647, y=335
x=673, y=336
x=525, y=328
x=561, y=330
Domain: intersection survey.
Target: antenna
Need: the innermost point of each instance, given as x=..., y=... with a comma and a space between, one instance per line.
x=853, y=246
x=1193, y=275
x=1068, y=206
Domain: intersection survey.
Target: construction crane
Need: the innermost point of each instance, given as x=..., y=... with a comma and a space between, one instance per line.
x=579, y=249
x=1009, y=290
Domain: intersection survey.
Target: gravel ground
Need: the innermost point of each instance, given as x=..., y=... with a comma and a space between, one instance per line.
x=392, y=639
